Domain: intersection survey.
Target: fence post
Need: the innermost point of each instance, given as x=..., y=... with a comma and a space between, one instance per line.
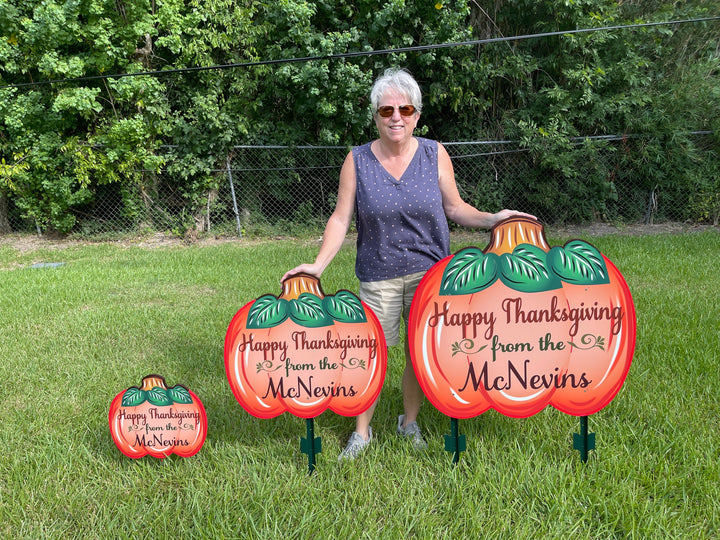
x=232, y=192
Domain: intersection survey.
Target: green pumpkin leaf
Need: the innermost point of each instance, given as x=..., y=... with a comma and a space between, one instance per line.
x=578, y=263
x=526, y=270
x=345, y=307
x=133, y=397
x=469, y=271
x=267, y=312
x=307, y=310
x=179, y=394
x=158, y=396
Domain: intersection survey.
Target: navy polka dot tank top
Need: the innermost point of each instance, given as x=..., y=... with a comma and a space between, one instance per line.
x=401, y=225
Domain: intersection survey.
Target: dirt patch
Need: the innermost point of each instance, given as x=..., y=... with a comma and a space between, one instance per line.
x=604, y=229
x=31, y=242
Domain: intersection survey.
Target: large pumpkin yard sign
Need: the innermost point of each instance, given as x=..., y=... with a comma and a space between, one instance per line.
x=520, y=326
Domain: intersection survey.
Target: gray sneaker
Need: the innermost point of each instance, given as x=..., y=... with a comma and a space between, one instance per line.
x=411, y=431
x=355, y=445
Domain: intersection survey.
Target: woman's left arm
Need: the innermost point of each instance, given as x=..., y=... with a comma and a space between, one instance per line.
x=456, y=209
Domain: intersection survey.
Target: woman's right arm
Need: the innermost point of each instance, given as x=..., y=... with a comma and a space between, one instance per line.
x=336, y=227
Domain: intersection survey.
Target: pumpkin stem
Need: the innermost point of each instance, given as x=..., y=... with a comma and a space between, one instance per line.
x=298, y=284
x=151, y=381
x=510, y=233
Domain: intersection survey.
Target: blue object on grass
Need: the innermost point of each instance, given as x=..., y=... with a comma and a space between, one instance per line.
x=47, y=265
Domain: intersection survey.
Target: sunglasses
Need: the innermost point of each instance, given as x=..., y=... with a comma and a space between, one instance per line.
x=387, y=110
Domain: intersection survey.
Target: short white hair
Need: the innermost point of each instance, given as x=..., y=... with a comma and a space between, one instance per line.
x=399, y=80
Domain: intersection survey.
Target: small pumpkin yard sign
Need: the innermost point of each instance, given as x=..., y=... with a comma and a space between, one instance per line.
x=519, y=326
x=158, y=421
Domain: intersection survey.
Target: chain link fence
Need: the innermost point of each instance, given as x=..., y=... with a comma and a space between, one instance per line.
x=264, y=191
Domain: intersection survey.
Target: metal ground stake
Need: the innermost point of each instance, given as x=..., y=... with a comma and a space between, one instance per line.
x=584, y=441
x=455, y=442
x=310, y=445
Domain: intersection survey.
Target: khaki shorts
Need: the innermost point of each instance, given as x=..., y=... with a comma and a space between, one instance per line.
x=390, y=300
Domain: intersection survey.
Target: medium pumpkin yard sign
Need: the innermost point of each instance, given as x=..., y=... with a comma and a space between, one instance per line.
x=304, y=352
x=520, y=326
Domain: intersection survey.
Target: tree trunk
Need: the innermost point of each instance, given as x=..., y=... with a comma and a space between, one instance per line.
x=4, y=213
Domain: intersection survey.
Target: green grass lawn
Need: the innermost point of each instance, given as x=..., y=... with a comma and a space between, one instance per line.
x=75, y=335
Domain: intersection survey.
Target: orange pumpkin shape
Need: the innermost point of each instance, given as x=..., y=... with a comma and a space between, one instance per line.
x=521, y=325
x=304, y=352
x=158, y=421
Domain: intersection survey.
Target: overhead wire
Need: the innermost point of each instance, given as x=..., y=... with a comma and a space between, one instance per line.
x=356, y=54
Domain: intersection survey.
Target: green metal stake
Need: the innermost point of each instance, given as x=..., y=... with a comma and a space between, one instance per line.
x=584, y=441
x=455, y=442
x=310, y=445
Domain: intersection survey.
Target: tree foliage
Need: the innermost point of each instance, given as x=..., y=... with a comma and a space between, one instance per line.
x=103, y=123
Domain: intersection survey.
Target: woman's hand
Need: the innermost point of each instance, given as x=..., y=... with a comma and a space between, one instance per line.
x=307, y=268
x=507, y=214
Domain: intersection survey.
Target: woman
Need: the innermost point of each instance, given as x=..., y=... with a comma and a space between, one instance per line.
x=402, y=188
